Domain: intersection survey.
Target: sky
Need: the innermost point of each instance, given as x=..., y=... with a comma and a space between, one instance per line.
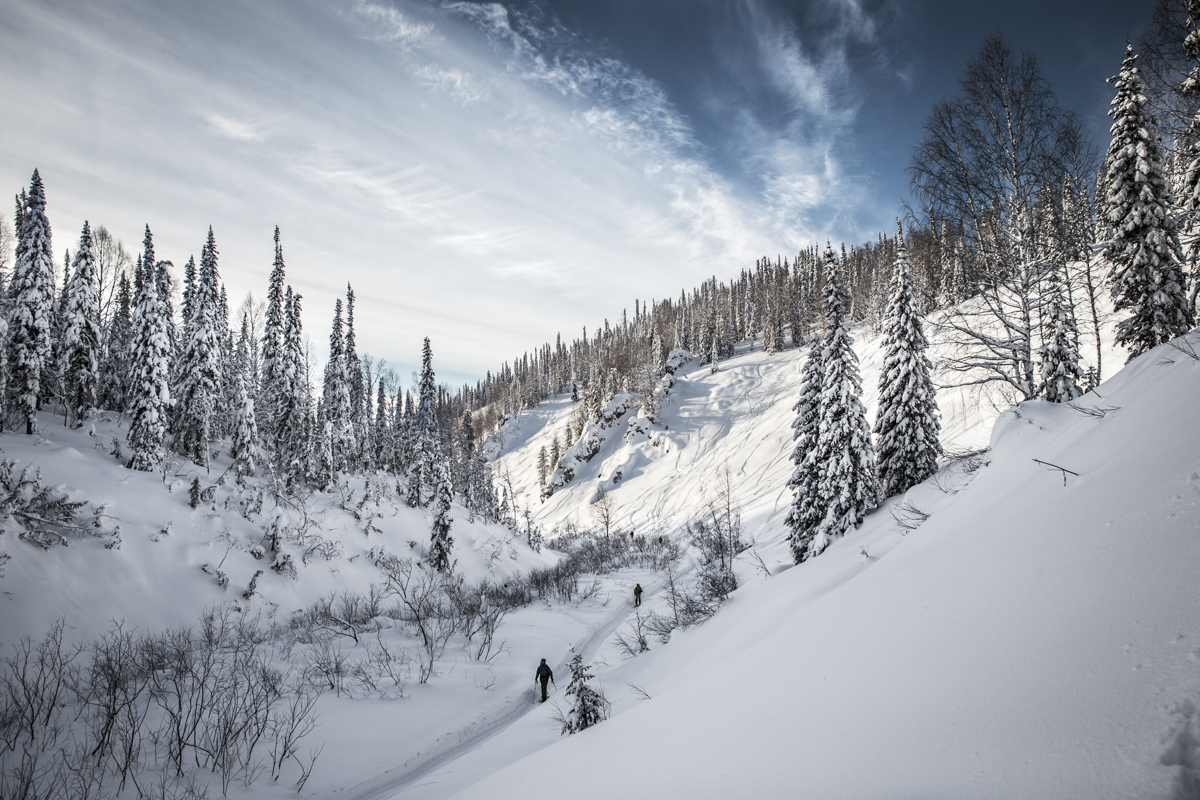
x=491, y=174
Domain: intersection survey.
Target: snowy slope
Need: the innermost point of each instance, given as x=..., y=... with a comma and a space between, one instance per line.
x=737, y=418
x=1028, y=640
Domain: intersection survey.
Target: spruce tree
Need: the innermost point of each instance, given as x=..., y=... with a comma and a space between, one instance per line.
x=425, y=455
x=906, y=425
x=245, y=448
x=806, y=511
x=200, y=373
x=1147, y=277
x=150, y=393
x=542, y=466
x=848, y=488
x=354, y=368
x=1189, y=153
x=273, y=389
x=466, y=455
x=441, y=543
x=381, y=432
x=189, y=290
x=31, y=317
x=292, y=428
x=80, y=347
x=588, y=706
x=337, y=426
x=1061, y=373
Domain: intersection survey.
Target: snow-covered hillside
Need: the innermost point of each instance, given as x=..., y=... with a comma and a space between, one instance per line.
x=992, y=633
x=1037, y=636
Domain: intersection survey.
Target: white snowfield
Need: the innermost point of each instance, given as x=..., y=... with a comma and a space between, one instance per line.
x=1027, y=639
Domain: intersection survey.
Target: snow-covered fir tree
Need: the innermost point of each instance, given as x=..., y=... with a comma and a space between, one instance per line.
x=1062, y=375
x=588, y=706
x=337, y=427
x=31, y=317
x=189, y=290
x=150, y=391
x=381, y=433
x=293, y=426
x=1189, y=154
x=440, y=541
x=848, y=488
x=200, y=373
x=273, y=389
x=355, y=384
x=906, y=425
x=425, y=454
x=806, y=511
x=1147, y=276
x=81, y=337
x=244, y=447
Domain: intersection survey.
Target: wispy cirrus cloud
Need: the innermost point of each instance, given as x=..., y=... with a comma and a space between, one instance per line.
x=231, y=128
x=491, y=175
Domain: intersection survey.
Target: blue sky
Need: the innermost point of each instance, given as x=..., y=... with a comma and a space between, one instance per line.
x=489, y=174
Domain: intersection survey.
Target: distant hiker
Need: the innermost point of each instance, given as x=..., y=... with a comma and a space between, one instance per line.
x=545, y=675
x=637, y=595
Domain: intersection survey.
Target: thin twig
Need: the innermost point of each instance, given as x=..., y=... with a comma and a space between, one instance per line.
x=1063, y=470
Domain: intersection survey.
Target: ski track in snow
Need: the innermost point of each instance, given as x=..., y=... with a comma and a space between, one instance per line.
x=392, y=783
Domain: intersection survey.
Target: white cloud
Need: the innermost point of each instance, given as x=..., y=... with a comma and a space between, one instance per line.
x=231, y=128
x=480, y=177
x=389, y=24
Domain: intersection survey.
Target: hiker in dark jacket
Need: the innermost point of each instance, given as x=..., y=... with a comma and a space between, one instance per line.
x=545, y=675
x=637, y=595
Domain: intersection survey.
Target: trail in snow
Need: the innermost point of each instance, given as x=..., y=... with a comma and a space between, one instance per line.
x=453, y=746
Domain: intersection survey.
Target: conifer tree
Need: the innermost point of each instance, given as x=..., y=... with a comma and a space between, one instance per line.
x=424, y=456
x=381, y=433
x=441, y=543
x=189, y=290
x=588, y=706
x=848, y=488
x=163, y=285
x=292, y=440
x=80, y=348
x=245, y=448
x=200, y=374
x=806, y=511
x=906, y=425
x=466, y=455
x=150, y=392
x=1061, y=373
x=273, y=389
x=337, y=427
x=542, y=466
x=31, y=317
x=354, y=367
x=1147, y=277
x=1189, y=154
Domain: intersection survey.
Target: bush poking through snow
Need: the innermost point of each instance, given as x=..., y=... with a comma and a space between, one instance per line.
x=284, y=565
x=633, y=641
x=43, y=514
x=149, y=712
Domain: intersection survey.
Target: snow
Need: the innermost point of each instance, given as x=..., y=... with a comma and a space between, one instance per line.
x=1027, y=639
